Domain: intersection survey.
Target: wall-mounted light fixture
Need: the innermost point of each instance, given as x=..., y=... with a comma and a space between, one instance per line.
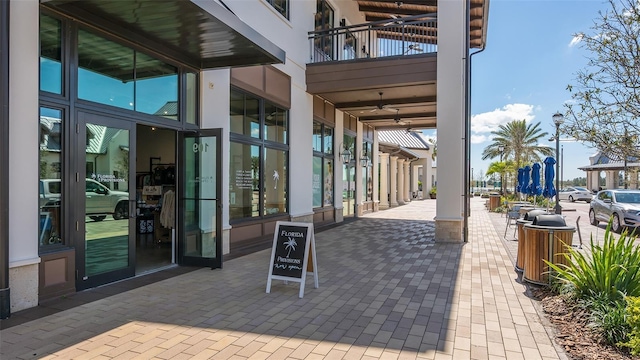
x=364, y=161
x=345, y=155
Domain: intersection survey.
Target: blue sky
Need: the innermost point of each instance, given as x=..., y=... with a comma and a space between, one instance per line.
x=523, y=73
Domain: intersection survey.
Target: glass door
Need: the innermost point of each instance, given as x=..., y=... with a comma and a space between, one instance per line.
x=200, y=222
x=349, y=189
x=105, y=199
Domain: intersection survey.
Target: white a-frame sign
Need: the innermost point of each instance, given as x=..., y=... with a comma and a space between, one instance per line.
x=293, y=254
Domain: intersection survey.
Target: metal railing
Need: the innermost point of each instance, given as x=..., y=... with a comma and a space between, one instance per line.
x=405, y=36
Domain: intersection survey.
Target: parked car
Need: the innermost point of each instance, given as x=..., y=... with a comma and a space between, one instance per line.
x=575, y=193
x=619, y=205
x=100, y=200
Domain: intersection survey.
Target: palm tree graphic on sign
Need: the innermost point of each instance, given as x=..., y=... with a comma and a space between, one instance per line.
x=290, y=245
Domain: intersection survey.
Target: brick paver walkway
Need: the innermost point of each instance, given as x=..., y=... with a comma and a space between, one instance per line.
x=387, y=291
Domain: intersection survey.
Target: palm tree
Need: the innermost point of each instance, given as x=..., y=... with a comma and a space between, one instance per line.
x=518, y=141
x=502, y=168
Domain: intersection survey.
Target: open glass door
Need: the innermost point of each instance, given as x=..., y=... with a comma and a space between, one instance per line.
x=105, y=196
x=200, y=223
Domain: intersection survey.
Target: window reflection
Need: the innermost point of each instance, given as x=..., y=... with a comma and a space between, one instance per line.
x=105, y=71
x=244, y=181
x=275, y=182
x=156, y=87
x=192, y=98
x=317, y=136
x=115, y=75
x=245, y=114
x=275, y=123
x=50, y=177
x=50, y=54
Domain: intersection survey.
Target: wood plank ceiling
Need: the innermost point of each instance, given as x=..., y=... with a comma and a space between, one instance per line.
x=375, y=10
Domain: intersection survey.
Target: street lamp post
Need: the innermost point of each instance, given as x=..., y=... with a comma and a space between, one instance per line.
x=501, y=149
x=558, y=119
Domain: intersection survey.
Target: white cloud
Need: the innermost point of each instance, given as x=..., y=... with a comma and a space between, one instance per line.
x=576, y=39
x=478, y=139
x=489, y=121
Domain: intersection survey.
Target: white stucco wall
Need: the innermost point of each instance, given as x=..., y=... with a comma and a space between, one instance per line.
x=24, y=55
x=215, y=93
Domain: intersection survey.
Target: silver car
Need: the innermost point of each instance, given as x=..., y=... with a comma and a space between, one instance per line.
x=575, y=193
x=621, y=206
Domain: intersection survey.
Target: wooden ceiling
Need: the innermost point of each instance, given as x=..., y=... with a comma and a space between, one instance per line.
x=375, y=10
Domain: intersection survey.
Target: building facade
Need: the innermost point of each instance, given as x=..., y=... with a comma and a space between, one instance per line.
x=179, y=132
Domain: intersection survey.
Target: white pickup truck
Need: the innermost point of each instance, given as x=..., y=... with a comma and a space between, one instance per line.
x=100, y=200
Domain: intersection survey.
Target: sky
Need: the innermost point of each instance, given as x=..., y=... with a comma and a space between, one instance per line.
x=530, y=58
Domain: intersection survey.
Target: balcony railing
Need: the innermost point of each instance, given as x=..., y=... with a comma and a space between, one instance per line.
x=405, y=36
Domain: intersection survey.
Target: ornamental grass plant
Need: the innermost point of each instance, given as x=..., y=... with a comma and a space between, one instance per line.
x=607, y=272
x=600, y=281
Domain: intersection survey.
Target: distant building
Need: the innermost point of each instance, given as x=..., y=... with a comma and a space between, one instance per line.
x=613, y=172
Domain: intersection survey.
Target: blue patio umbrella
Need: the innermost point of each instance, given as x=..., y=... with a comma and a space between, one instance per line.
x=525, y=180
x=549, y=190
x=535, y=189
x=519, y=182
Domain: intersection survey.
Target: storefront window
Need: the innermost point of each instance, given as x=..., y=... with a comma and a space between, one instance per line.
x=156, y=87
x=115, y=75
x=275, y=182
x=245, y=114
x=244, y=181
x=50, y=54
x=367, y=176
x=258, y=160
x=50, y=184
x=322, y=165
x=192, y=98
x=328, y=182
x=316, y=185
x=275, y=123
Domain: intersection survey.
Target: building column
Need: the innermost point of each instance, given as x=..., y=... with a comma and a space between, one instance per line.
x=415, y=175
x=393, y=183
x=407, y=181
x=359, y=183
x=451, y=91
x=384, y=182
x=374, y=173
x=400, y=175
x=633, y=179
x=611, y=179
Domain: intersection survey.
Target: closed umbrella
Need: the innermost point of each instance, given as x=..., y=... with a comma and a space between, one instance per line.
x=549, y=190
x=535, y=189
x=525, y=180
x=519, y=182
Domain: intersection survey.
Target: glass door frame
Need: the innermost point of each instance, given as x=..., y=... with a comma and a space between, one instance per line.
x=183, y=259
x=79, y=203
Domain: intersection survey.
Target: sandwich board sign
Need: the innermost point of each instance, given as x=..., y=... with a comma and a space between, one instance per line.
x=293, y=254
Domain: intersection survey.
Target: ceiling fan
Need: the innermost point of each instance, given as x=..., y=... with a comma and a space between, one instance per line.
x=382, y=106
x=397, y=118
x=413, y=47
x=396, y=18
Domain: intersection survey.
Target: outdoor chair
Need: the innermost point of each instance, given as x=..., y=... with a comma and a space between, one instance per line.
x=512, y=216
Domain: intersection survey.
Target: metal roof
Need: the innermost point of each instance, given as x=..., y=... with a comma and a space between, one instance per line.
x=403, y=138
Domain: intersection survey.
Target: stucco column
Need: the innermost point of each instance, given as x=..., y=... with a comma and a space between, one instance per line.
x=375, y=172
x=633, y=179
x=407, y=181
x=400, y=172
x=451, y=89
x=612, y=179
x=393, y=183
x=384, y=182
x=359, y=183
x=416, y=168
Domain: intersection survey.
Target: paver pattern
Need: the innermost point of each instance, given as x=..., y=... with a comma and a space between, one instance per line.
x=387, y=291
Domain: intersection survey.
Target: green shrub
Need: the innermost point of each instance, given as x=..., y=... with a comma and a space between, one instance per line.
x=608, y=318
x=609, y=273
x=633, y=319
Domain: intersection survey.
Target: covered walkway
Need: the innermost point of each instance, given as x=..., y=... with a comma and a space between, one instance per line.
x=387, y=291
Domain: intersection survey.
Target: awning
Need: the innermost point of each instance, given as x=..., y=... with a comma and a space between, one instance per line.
x=200, y=33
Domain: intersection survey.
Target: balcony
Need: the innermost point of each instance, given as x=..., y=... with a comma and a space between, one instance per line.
x=384, y=71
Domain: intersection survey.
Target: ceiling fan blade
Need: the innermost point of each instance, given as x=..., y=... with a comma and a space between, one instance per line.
x=389, y=109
